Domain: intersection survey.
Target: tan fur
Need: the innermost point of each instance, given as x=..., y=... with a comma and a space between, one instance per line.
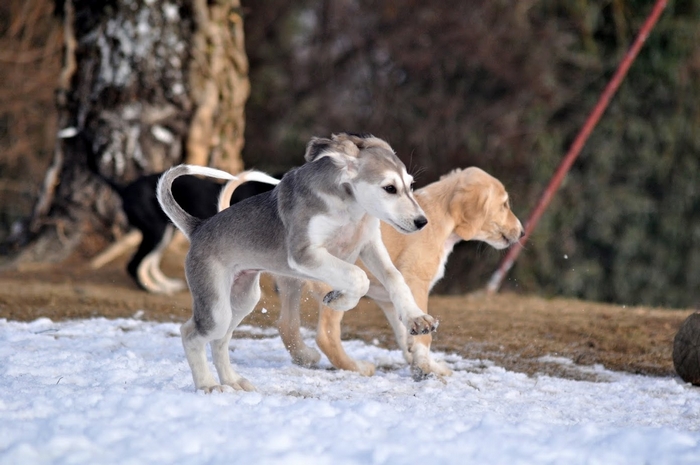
x=127, y=242
x=463, y=205
x=299, y=229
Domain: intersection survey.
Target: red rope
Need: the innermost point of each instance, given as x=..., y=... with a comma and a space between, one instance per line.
x=505, y=266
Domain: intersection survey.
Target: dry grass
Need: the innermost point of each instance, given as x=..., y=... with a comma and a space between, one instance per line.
x=514, y=331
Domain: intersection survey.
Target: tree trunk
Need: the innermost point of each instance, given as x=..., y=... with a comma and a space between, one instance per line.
x=145, y=84
x=220, y=86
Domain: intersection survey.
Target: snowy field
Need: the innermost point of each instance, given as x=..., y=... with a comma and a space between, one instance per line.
x=120, y=391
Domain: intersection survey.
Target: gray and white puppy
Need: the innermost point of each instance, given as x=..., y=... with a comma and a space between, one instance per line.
x=314, y=224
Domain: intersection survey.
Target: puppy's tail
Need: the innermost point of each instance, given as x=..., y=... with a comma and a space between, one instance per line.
x=245, y=176
x=183, y=220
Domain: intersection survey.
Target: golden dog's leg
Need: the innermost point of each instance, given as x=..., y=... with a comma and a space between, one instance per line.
x=289, y=323
x=328, y=340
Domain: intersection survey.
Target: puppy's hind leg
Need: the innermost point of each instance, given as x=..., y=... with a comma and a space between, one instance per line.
x=211, y=320
x=194, y=344
x=245, y=293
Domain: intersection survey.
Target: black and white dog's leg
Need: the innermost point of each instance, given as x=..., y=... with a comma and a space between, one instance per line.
x=152, y=265
x=144, y=267
x=138, y=266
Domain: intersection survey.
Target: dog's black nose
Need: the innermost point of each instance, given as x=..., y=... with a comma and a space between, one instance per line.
x=420, y=222
x=522, y=233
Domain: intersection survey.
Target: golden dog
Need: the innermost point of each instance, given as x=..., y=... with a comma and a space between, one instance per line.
x=463, y=205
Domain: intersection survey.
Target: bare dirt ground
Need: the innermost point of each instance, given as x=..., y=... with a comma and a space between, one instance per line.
x=514, y=331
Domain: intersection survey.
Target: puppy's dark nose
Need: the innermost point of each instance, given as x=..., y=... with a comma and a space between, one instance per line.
x=522, y=233
x=420, y=222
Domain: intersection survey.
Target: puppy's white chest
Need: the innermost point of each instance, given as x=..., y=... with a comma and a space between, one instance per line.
x=347, y=241
x=340, y=238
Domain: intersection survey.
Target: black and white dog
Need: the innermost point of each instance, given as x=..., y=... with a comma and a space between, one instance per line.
x=199, y=197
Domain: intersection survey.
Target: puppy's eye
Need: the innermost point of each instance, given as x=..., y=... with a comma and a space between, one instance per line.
x=390, y=189
x=413, y=186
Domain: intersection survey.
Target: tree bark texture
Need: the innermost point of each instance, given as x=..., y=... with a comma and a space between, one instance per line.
x=145, y=84
x=220, y=85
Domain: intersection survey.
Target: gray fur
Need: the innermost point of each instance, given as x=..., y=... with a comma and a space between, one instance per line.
x=313, y=225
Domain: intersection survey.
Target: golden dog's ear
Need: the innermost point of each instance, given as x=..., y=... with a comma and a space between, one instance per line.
x=469, y=209
x=343, y=153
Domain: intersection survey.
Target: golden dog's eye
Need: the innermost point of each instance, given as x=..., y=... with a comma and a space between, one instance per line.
x=390, y=189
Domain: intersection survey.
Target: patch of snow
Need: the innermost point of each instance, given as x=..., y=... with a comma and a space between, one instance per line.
x=120, y=391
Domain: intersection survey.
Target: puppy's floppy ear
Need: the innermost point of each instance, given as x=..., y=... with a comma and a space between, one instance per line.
x=316, y=147
x=319, y=147
x=343, y=153
x=363, y=141
x=359, y=139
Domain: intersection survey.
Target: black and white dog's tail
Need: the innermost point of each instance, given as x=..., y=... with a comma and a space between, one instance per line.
x=183, y=220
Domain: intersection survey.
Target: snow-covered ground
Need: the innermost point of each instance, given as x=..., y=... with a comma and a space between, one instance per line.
x=120, y=391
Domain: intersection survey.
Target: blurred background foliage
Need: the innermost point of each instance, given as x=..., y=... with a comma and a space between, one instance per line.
x=503, y=85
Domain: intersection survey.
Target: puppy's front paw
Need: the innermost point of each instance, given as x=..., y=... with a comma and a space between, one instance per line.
x=339, y=300
x=332, y=296
x=424, y=324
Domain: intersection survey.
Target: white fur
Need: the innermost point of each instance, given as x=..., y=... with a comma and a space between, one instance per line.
x=223, y=270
